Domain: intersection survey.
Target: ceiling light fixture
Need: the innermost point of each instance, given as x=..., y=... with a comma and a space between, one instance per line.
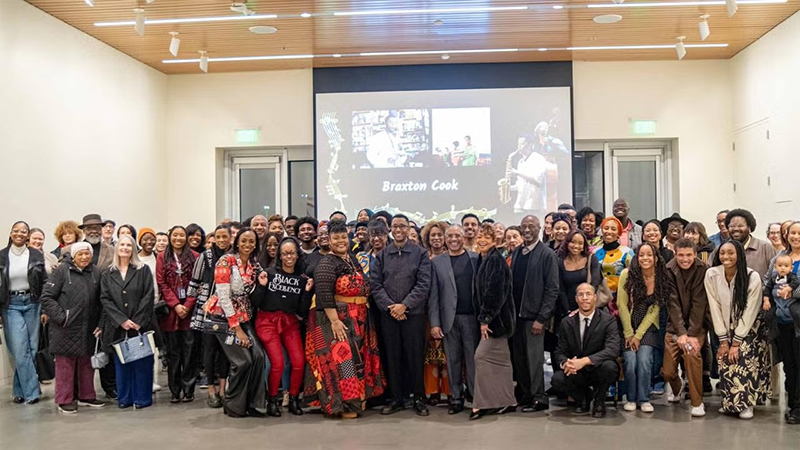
x=439, y=52
x=337, y=55
x=387, y=12
x=241, y=7
x=237, y=58
x=682, y=3
x=305, y=15
x=188, y=20
x=644, y=47
x=732, y=7
x=607, y=18
x=438, y=22
x=558, y=6
x=138, y=24
x=445, y=57
x=89, y=2
x=203, y=61
x=705, y=31
x=174, y=43
x=263, y=29
x=680, y=48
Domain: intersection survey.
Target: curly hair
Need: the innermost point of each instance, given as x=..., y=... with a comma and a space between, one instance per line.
x=636, y=286
x=744, y=214
x=65, y=227
x=426, y=232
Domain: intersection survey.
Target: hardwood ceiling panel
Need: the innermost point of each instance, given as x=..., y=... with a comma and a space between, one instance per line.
x=327, y=34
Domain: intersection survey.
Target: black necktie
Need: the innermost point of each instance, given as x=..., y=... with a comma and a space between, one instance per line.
x=585, y=329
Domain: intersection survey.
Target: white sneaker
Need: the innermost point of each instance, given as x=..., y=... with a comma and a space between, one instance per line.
x=747, y=414
x=646, y=407
x=699, y=411
x=156, y=387
x=629, y=406
x=676, y=397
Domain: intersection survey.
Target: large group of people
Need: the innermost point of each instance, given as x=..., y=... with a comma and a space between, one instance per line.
x=384, y=312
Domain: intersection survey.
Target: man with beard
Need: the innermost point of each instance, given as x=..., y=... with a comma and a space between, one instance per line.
x=740, y=224
x=306, y=231
x=470, y=223
x=103, y=255
x=451, y=312
x=535, y=289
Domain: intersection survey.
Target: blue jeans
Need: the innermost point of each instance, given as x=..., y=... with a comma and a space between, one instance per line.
x=21, y=326
x=638, y=368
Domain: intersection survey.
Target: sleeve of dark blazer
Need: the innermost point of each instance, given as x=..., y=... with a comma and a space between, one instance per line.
x=562, y=349
x=674, y=306
x=433, y=300
x=611, y=349
x=491, y=293
x=376, y=280
x=697, y=317
x=419, y=293
x=550, y=291
x=50, y=294
x=110, y=309
x=144, y=313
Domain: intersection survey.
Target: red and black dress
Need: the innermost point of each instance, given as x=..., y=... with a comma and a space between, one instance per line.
x=341, y=376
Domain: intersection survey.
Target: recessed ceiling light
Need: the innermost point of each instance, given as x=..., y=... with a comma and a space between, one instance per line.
x=337, y=55
x=305, y=15
x=542, y=49
x=89, y=2
x=438, y=22
x=445, y=57
x=607, y=18
x=558, y=6
x=263, y=29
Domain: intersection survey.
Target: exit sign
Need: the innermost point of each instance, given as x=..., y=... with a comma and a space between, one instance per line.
x=247, y=136
x=643, y=127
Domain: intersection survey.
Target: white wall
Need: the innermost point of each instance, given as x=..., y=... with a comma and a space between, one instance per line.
x=765, y=88
x=82, y=128
x=691, y=102
x=203, y=113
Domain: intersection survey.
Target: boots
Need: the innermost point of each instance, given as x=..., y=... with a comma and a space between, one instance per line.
x=294, y=406
x=272, y=407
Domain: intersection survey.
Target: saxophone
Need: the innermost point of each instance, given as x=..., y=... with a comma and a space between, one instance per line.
x=504, y=184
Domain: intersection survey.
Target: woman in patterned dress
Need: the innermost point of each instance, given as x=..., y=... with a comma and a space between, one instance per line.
x=344, y=368
x=734, y=298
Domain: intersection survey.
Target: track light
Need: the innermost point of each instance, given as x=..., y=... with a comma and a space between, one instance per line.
x=705, y=31
x=89, y=2
x=680, y=48
x=174, y=44
x=203, y=61
x=139, y=25
x=732, y=7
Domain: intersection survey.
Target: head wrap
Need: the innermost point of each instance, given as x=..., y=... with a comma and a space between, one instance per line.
x=612, y=219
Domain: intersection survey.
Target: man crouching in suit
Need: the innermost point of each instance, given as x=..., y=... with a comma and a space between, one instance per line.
x=588, y=346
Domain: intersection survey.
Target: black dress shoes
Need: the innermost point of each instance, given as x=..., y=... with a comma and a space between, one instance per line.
x=599, y=410
x=506, y=410
x=535, y=407
x=392, y=408
x=420, y=407
x=19, y=400
x=583, y=407
x=456, y=407
x=112, y=393
x=475, y=415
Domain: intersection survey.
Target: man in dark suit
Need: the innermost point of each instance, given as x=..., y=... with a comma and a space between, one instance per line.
x=451, y=313
x=588, y=346
x=535, y=288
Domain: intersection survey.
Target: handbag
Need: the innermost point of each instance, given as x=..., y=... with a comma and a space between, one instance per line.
x=133, y=349
x=160, y=309
x=603, y=292
x=99, y=359
x=45, y=363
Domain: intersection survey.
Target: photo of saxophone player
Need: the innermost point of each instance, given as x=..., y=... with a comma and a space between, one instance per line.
x=526, y=174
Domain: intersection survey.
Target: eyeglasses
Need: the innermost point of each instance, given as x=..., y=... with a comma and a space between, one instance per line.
x=289, y=254
x=399, y=227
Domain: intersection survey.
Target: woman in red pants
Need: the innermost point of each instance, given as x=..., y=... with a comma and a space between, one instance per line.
x=286, y=300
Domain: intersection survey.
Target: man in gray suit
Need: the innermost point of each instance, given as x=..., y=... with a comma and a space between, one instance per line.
x=452, y=314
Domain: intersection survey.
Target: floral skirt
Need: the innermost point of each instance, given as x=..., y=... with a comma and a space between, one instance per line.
x=749, y=381
x=341, y=376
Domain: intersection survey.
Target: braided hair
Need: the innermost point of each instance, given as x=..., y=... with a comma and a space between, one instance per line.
x=636, y=286
x=741, y=281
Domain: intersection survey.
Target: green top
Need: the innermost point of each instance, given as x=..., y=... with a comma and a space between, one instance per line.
x=651, y=318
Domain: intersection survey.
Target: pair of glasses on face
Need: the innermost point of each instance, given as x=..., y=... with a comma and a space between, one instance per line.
x=399, y=227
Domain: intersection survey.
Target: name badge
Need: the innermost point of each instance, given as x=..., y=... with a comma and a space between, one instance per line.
x=182, y=293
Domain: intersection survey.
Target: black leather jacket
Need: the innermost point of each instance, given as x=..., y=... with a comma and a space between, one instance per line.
x=36, y=275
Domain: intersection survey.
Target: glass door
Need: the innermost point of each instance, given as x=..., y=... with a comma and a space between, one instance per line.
x=637, y=178
x=257, y=187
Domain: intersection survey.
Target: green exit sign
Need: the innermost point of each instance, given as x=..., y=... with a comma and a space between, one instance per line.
x=643, y=127
x=247, y=136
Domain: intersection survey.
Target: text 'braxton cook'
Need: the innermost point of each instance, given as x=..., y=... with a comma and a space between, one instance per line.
x=411, y=186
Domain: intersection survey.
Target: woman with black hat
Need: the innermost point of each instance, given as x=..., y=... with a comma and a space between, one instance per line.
x=672, y=229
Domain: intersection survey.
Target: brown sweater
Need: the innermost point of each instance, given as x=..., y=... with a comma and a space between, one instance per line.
x=688, y=304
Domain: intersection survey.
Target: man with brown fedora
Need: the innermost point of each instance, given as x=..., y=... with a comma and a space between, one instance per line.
x=92, y=227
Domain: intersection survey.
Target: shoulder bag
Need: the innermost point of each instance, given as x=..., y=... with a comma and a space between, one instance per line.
x=603, y=291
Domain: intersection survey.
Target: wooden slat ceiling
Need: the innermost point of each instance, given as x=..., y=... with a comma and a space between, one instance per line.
x=530, y=29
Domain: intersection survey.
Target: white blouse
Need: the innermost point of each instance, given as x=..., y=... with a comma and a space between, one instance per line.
x=720, y=302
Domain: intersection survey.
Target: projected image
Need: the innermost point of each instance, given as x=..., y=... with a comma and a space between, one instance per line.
x=462, y=136
x=392, y=138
